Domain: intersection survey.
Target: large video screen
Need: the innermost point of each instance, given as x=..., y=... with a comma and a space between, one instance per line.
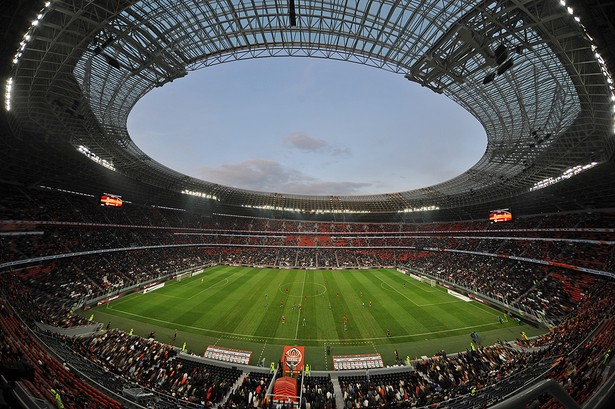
x=500, y=215
x=109, y=200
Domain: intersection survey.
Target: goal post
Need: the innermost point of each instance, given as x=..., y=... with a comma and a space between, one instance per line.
x=422, y=279
x=181, y=276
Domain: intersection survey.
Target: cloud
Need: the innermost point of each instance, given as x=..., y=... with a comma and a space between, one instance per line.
x=342, y=151
x=259, y=174
x=270, y=176
x=306, y=143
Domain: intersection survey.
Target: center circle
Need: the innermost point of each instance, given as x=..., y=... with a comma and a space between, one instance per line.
x=288, y=286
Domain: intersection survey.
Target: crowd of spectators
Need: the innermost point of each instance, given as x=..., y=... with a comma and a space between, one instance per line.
x=48, y=222
x=46, y=240
x=317, y=392
x=251, y=393
x=577, y=239
x=154, y=365
x=550, y=291
x=18, y=204
x=157, y=366
x=72, y=279
x=582, y=371
x=426, y=382
x=44, y=377
x=575, y=353
x=47, y=291
x=437, y=379
x=581, y=343
x=36, y=307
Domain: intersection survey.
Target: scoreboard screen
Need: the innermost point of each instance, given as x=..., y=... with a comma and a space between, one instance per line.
x=110, y=200
x=500, y=215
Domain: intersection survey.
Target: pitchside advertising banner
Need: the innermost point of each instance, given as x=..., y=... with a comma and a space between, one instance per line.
x=293, y=359
x=228, y=355
x=367, y=361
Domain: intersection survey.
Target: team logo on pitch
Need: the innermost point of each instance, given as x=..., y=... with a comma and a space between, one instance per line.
x=293, y=358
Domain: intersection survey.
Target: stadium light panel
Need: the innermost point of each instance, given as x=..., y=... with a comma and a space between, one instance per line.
x=95, y=158
x=567, y=174
x=199, y=194
x=419, y=209
x=7, y=94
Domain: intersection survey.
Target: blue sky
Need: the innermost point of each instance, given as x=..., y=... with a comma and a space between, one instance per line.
x=306, y=126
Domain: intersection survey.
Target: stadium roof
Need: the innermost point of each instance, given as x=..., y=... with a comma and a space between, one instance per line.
x=531, y=72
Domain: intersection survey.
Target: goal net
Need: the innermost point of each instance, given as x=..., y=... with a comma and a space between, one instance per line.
x=181, y=276
x=427, y=280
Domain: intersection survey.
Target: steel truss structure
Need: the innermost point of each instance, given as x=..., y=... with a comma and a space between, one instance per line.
x=525, y=69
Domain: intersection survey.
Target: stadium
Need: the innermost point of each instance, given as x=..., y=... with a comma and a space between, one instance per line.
x=128, y=284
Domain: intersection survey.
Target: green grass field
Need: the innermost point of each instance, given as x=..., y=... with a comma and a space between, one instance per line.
x=242, y=308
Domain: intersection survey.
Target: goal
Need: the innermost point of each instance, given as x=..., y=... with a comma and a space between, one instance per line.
x=181, y=276
x=422, y=279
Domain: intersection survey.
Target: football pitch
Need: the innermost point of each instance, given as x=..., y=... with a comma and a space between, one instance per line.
x=350, y=311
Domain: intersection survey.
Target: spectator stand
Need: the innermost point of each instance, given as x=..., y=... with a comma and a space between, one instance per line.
x=498, y=303
x=138, y=286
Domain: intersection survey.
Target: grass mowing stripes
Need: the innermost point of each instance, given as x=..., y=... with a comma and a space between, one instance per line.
x=242, y=307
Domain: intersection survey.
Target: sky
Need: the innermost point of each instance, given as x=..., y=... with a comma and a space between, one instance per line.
x=306, y=126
